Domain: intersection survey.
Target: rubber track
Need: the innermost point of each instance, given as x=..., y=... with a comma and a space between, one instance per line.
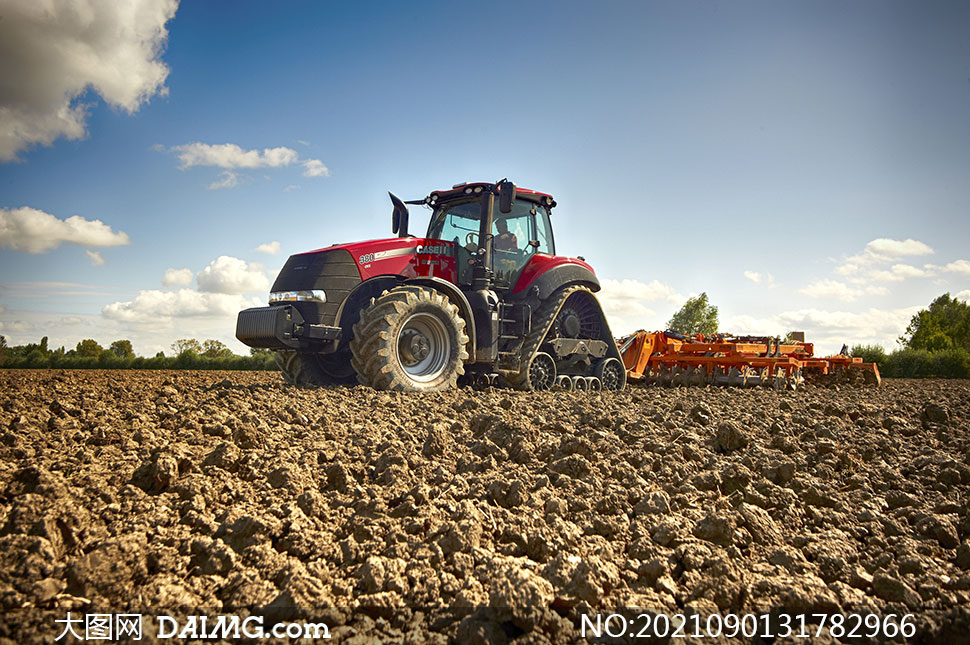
x=540, y=328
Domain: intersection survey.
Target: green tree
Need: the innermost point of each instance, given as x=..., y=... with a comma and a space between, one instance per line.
x=122, y=349
x=697, y=316
x=215, y=349
x=38, y=358
x=183, y=345
x=945, y=324
x=87, y=347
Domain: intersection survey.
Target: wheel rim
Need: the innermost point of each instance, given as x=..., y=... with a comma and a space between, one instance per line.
x=423, y=347
x=542, y=372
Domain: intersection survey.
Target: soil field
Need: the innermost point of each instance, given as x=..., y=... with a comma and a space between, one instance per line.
x=477, y=516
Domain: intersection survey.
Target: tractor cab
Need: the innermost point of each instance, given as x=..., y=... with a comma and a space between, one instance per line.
x=515, y=236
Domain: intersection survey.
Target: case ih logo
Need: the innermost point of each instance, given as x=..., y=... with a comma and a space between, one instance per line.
x=433, y=250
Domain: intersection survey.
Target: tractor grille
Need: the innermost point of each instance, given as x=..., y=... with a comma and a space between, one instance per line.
x=333, y=271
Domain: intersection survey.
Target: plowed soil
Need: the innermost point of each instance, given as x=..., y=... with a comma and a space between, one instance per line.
x=477, y=516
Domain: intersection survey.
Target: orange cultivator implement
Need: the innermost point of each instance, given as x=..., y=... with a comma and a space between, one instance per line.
x=667, y=358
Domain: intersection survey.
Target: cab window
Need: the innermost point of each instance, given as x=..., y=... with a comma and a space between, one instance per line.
x=544, y=231
x=456, y=222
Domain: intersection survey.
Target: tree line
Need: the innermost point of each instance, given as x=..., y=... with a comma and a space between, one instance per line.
x=187, y=354
x=936, y=343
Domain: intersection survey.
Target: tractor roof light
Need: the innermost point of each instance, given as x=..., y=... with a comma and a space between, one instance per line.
x=478, y=189
x=468, y=190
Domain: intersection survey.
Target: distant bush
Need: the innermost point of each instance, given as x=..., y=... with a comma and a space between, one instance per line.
x=924, y=363
x=870, y=354
x=107, y=359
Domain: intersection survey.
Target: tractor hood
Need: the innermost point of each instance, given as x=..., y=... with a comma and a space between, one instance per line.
x=403, y=256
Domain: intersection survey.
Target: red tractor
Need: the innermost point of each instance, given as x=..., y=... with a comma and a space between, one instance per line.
x=482, y=296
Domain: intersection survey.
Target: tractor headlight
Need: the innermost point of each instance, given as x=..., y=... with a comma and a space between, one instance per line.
x=308, y=295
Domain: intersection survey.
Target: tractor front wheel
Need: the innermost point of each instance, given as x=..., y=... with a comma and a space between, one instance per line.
x=309, y=369
x=410, y=339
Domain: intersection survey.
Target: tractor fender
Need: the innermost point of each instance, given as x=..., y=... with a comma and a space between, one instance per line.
x=359, y=297
x=457, y=298
x=560, y=276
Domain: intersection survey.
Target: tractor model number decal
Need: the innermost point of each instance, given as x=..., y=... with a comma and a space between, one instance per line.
x=383, y=255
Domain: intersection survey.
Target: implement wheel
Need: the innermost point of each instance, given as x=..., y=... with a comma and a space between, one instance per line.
x=410, y=339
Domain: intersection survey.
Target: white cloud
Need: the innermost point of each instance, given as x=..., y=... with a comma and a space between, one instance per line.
x=759, y=278
x=831, y=289
x=155, y=306
x=15, y=326
x=828, y=330
x=229, y=155
x=231, y=275
x=898, y=273
x=291, y=188
x=52, y=52
x=625, y=304
x=635, y=290
x=909, y=271
x=227, y=179
x=959, y=266
x=34, y=231
x=69, y=320
x=894, y=248
x=270, y=248
x=179, y=277
x=315, y=168
x=881, y=251
x=964, y=295
x=95, y=258
x=876, y=319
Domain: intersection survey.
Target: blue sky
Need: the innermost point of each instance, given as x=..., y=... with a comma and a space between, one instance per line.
x=806, y=164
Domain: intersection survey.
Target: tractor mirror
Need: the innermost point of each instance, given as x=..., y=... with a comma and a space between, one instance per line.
x=399, y=220
x=506, y=196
